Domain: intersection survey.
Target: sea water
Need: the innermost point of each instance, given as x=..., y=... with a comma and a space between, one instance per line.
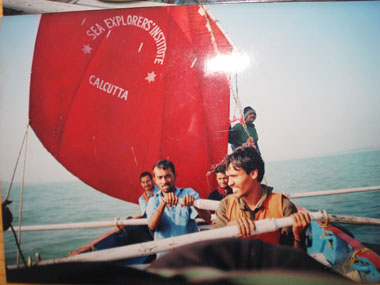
x=71, y=202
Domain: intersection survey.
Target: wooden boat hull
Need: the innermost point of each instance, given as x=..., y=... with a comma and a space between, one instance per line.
x=343, y=253
x=329, y=245
x=120, y=237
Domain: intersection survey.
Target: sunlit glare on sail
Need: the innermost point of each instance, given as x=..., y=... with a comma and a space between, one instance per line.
x=233, y=62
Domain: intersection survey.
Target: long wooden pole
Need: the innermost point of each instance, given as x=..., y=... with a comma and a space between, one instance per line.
x=210, y=205
x=84, y=225
x=134, y=222
x=213, y=205
x=331, y=192
x=353, y=220
x=89, y=225
x=153, y=247
x=44, y=6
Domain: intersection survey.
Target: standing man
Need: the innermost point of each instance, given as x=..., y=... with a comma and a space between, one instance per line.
x=222, y=189
x=166, y=217
x=238, y=136
x=252, y=201
x=146, y=181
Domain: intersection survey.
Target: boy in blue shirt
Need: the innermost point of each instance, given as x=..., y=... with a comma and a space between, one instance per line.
x=146, y=181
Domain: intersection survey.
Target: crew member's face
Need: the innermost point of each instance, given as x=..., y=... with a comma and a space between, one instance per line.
x=240, y=182
x=147, y=183
x=222, y=180
x=250, y=118
x=164, y=178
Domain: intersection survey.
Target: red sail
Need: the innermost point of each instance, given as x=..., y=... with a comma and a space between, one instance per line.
x=114, y=91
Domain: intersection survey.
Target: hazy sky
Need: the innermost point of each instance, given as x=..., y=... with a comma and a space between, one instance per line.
x=314, y=74
x=313, y=80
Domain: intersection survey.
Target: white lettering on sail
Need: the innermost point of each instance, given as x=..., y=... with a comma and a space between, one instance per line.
x=95, y=30
x=159, y=38
x=140, y=22
x=108, y=87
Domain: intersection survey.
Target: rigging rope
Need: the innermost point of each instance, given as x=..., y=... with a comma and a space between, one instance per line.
x=209, y=28
x=18, y=245
x=238, y=105
x=17, y=239
x=234, y=94
x=22, y=195
x=18, y=158
x=349, y=264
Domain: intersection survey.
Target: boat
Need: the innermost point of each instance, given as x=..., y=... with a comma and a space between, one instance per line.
x=329, y=244
x=84, y=149
x=331, y=247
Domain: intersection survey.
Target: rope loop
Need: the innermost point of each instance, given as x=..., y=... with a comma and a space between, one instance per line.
x=117, y=219
x=326, y=219
x=324, y=225
x=354, y=259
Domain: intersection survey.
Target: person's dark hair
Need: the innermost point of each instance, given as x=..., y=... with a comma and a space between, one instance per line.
x=164, y=164
x=146, y=173
x=221, y=168
x=247, y=158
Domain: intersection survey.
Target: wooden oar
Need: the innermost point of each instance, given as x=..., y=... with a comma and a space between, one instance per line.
x=89, y=225
x=153, y=247
x=353, y=220
x=134, y=222
x=331, y=192
x=201, y=203
x=84, y=225
x=213, y=205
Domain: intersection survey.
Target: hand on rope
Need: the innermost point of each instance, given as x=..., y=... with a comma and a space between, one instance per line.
x=250, y=142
